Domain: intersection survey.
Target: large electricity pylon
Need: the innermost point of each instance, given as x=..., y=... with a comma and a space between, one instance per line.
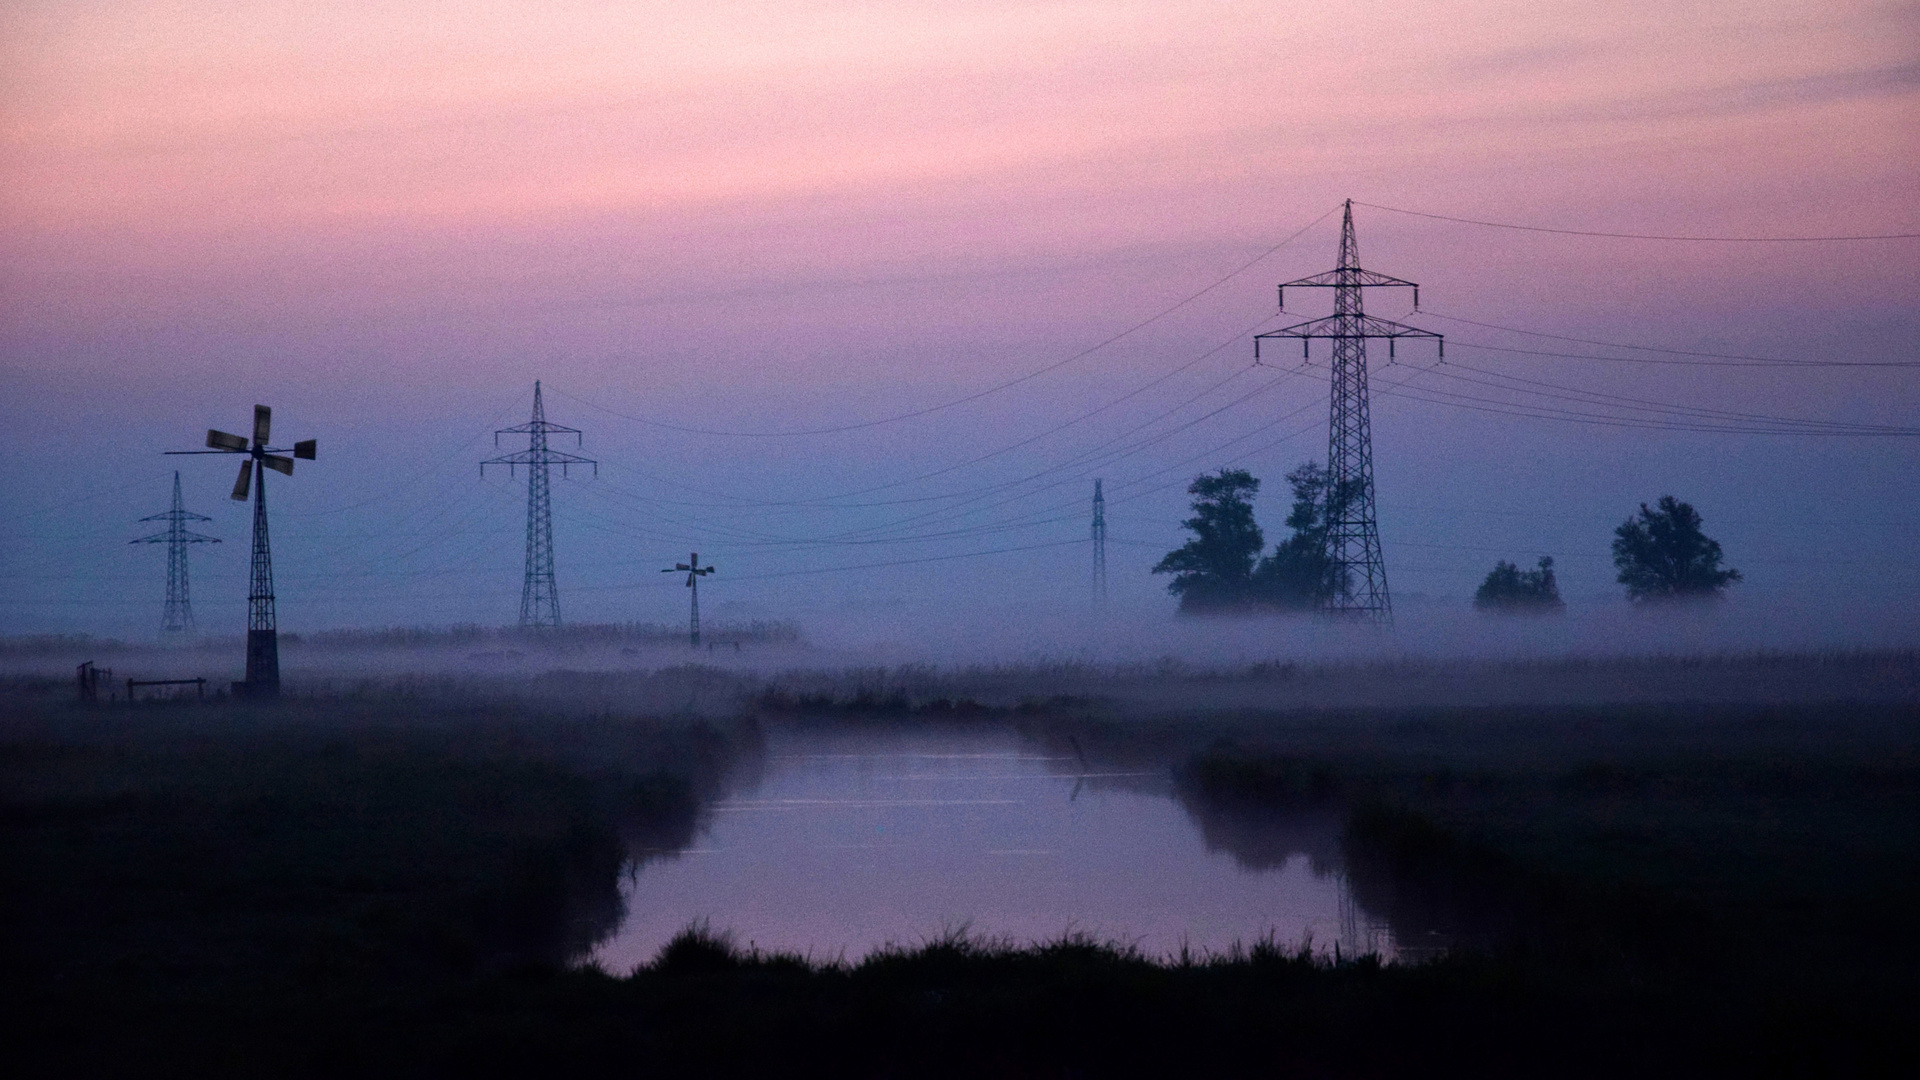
x=539, y=600
x=1358, y=572
x=1099, y=548
x=179, y=617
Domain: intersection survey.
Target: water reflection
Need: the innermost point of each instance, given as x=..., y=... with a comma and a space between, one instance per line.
x=849, y=842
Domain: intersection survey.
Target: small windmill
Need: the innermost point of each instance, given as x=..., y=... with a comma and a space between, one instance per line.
x=694, y=572
x=179, y=617
x=263, y=640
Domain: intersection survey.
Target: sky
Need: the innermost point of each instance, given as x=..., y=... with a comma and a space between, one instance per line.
x=712, y=229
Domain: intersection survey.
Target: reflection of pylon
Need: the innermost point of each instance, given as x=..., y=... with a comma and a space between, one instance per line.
x=1099, y=548
x=539, y=599
x=1353, y=536
x=179, y=615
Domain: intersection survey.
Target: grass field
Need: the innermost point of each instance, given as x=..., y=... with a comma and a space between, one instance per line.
x=391, y=882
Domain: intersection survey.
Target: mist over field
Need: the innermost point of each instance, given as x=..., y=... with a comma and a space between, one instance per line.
x=1228, y=539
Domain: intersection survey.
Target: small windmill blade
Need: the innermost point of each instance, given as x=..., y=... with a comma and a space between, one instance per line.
x=220, y=440
x=305, y=449
x=244, y=485
x=262, y=424
x=277, y=464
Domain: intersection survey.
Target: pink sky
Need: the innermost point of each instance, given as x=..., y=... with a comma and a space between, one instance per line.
x=769, y=214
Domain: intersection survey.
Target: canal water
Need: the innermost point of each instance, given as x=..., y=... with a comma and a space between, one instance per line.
x=847, y=843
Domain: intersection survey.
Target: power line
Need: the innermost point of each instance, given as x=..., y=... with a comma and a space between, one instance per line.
x=1753, y=360
x=1594, y=397
x=1642, y=236
x=1030, y=376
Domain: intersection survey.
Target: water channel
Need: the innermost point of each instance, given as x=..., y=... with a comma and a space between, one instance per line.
x=846, y=843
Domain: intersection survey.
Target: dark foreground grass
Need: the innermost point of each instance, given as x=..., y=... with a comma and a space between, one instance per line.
x=382, y=886
x=1749, y=872
x=185, y=886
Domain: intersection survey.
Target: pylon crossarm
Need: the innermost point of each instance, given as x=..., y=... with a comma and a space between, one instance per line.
x=1349, y=278
x=1348, y=326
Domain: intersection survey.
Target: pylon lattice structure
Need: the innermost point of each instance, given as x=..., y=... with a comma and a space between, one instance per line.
x=179, y=614
x=263, y=641
x=1358, y=571
x=539, y=597
x=694, y=572
x=1099, y=547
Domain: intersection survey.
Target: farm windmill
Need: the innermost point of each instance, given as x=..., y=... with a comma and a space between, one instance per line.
x=694, y=572
x=263, y=642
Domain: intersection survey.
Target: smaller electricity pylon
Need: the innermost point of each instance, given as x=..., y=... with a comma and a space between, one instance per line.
x=1099, y=548
x=539, y=596
x=179, y=617
x=263, y=636
x=694, y=572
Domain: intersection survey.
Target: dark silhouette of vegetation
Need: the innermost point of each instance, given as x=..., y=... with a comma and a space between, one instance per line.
x=1663, y=555
x=388, y=887
x=1214, y=571
x=1298, y=576
x=1510, y=589
x=1221, y=569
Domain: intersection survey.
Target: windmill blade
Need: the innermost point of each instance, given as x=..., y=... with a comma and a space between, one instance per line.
x=681, y=566
x=277, y=464
x=220, y=440
x=245, y=484
x=262, y=424
x=306, y=448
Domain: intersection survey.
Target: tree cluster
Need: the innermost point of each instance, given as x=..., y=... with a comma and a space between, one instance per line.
x=1223, y=568
x=1511, y=589
x=1661, y=554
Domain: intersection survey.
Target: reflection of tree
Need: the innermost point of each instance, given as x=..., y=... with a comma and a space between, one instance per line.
x=1265, y=837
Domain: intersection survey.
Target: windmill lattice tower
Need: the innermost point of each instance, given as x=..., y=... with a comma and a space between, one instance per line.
x=539, y=597
x=178, y=619
x=263, y=637
x=694, y=572
x=1358, y=572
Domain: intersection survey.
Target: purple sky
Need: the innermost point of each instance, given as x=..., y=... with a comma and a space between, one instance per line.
x=387, y=220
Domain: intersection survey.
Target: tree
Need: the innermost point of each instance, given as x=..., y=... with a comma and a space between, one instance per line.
x=1663, y=555
x=1214, y=570
x=1512, y=590
x=1298, y=575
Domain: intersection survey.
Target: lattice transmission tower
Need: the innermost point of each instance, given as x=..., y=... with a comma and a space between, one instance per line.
x=1358, y=573
x=539, y=599
x=179, y=616
x=1099, y=548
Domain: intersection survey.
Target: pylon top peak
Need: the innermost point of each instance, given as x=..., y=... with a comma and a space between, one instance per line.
x=1349, y=244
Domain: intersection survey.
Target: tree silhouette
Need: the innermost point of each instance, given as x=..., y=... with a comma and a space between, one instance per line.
x=1663, y=555
x=1298, y=575
x=1214, y=570
x=1512, y=590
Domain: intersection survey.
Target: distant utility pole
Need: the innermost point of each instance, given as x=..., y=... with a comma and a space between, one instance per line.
x=694, y=572
x=179, y=616
x=539, y=600
x=1353, y=537
x=1099, y=548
